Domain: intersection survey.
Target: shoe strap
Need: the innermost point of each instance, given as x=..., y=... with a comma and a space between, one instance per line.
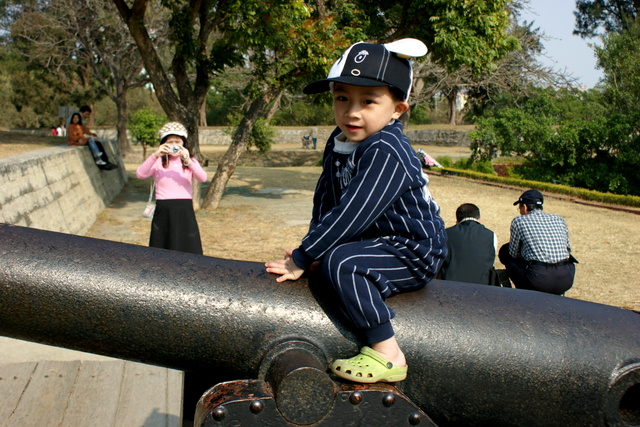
x=376, y=356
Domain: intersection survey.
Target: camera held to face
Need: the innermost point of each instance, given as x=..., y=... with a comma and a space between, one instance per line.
x=174, y=149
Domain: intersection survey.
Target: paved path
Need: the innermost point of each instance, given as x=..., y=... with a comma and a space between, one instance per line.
x=89, y=393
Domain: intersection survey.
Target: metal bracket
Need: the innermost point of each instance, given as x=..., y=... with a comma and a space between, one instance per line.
x=252, y=403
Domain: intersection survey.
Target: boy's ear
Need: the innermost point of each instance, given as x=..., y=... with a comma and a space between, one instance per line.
x=401, y=107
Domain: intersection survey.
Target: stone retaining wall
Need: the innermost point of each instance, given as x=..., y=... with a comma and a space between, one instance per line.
x=447, y=138
x=58, y=189
x=293, y=135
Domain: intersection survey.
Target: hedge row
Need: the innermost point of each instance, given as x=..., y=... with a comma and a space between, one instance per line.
x=580, y=193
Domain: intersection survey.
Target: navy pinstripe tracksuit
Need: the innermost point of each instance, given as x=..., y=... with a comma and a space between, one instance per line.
x=375, y=227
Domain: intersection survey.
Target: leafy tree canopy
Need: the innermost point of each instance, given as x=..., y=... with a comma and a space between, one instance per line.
x=619, y=58
x=588, y=146
x=610, y=15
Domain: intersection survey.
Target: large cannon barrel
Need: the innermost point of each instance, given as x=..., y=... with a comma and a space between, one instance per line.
x=477, y=355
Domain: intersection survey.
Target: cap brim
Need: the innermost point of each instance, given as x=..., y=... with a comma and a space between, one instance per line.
x=516, y=202
x=323, y=85
x=528, y=202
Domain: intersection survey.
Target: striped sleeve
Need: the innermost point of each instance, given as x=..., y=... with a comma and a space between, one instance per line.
x=378, y=180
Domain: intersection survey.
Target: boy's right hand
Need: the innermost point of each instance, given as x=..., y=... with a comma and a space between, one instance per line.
x=286, y=268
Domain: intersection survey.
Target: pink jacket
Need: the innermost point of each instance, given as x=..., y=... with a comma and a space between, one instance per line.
x=174, y=182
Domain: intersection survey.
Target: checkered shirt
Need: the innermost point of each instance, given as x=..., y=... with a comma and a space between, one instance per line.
x=539, y=236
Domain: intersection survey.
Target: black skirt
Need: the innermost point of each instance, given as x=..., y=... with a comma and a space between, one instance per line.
x=174, y=226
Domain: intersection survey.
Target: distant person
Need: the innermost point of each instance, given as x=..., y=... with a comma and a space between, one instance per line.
x=471, y=248
x=60, y=130
x=54, y=131
x=314, y=136
x=86, y=112
x=538, y=255
x=426, y=160
x=173, y=168
x=79, y=134
x=306, y=141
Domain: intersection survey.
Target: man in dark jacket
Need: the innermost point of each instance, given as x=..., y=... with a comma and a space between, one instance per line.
x=471, y=248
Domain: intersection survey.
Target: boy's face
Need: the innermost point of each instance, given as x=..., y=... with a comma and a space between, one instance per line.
x=361, y=111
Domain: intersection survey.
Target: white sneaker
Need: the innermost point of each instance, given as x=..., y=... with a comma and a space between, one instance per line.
x=100, y=162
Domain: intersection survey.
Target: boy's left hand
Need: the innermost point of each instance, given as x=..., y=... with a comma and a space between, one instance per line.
x=286, y=268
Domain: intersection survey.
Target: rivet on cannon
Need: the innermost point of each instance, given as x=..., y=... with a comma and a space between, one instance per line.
x=219, y=413
x=355, y=398
x=256, y=407
x=388, y=400
x=414, y=419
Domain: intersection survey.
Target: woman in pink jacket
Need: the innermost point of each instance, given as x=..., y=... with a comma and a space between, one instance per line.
x=172, y=167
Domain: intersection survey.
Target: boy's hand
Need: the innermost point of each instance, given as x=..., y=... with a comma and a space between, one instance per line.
x=286, y=268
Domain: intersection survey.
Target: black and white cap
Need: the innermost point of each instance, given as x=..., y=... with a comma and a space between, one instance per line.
x=366, y=64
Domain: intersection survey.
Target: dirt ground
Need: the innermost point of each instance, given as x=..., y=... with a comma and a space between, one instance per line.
x=14, y=143
x=266, y=209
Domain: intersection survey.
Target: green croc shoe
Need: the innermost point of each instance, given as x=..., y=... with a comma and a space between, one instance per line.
x=368, y=367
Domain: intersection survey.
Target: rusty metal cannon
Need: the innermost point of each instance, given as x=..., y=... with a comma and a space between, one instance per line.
x=478, y=355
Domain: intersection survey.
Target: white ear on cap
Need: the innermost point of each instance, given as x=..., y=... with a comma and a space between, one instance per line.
x=407, y=48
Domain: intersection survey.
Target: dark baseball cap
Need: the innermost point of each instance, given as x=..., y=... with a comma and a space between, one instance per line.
x=530, y=197
x=366, y=64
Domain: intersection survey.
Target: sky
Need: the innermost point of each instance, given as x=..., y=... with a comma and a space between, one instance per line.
x=565, y=51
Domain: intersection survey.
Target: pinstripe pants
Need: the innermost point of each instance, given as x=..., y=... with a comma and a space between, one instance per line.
x=365, y=273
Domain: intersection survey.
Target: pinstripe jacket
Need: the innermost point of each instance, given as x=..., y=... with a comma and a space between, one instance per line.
x=376, y=190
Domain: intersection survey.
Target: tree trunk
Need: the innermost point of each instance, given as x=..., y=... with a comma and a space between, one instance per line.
x=121, y=126
x=91, y=121
x=181, y=109
x=203, y=113
x=451, y=98
x=404, y=119
x=275, y=106
x=191, y=123
x=227, y=165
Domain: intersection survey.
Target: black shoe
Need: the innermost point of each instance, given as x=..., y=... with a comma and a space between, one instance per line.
x=109, y=166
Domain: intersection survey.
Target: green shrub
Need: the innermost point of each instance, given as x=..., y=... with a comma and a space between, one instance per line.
x=445, y=161
x=482, y=166
x=582, y=193
x=144, y=125
x=262, y=136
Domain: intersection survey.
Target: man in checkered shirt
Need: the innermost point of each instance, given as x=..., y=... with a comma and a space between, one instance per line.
x=538, y=255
